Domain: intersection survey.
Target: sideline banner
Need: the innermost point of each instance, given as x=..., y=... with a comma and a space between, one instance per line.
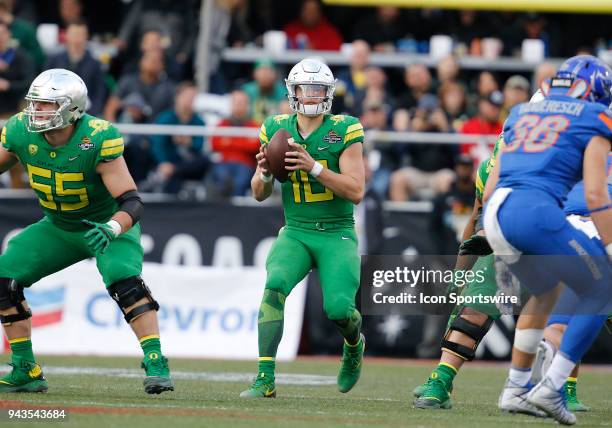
x=205, y=312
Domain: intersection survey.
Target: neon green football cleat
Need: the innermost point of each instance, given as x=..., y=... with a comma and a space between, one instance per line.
x=25, y=377
x=350, y=368
x=432, y=395
x=571, y=398
x=158, y=375
x=419, y=389
x=262, y=387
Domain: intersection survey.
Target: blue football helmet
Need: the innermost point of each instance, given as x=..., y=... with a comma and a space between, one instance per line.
x=586, y=77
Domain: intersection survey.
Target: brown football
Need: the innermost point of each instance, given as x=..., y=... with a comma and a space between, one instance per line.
x=275, y=154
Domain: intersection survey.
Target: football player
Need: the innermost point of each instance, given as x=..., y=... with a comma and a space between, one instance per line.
x=548, y=146
x=91, y=209
x=326, y=181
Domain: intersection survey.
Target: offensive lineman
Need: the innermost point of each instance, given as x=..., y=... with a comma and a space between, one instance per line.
x=327, y=178
x=75, y=165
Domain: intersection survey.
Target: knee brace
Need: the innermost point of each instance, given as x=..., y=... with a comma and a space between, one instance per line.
x=127, y=292
x=476, y=332
x=11, y=295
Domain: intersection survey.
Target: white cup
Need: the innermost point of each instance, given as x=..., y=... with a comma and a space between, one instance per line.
x=275, y=42
x=491, y=47
x=532, y=50
x=440, y=46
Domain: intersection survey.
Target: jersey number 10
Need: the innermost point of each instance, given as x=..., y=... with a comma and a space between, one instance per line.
x=58, y=179
x=302, y=182
x=536, y=133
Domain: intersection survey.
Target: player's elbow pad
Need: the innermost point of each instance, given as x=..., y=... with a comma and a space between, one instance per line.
x=130, y=203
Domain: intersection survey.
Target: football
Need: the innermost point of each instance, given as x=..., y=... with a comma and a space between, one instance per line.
x=275, y=154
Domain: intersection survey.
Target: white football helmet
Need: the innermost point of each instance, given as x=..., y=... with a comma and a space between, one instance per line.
x=59, y=86
x=316, y=82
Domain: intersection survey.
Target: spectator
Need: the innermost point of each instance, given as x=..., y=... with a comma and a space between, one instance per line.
x=516, y=91
x=382, y=30
x=487, y=122
x=265, y=91
x=16, y=74
x=78, y=59
x=486, y=82
x=351, y=85
x=447, y=70
x=312, y=30
x=153, y=40
x=23, y=32
x=232, y=175
x=430, y=166
x=468, y=28
x=376, y=85
x=176, y=20
x=137, y=154
x=150, y=82
x=544, y=71
x=535, y=26
x=452, y=98
x=383, y=159
x=453, y=208
x=71, y=12
x=418, y=82
x=180, y=157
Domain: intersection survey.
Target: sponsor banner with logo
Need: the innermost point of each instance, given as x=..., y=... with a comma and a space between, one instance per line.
x=205, y=312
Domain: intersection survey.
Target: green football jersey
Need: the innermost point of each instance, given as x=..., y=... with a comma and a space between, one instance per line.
x=64, y=178
x=485, y=168
x=304, y=198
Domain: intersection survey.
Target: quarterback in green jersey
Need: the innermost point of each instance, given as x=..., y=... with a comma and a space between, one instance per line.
x=91, y=209
x=326, y=180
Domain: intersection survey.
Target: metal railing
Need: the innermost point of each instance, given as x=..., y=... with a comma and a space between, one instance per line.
x=386, y=59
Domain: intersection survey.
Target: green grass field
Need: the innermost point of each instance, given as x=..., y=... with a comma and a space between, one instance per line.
x=107, y=392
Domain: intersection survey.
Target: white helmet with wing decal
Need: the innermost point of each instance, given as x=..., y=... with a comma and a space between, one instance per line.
x=62, y=87
x=310, y=87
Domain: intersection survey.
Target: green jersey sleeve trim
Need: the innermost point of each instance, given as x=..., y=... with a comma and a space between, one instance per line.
x=354, y=134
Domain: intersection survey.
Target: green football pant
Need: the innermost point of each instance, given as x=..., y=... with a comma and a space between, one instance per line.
x=334, y=252
x=43, y=248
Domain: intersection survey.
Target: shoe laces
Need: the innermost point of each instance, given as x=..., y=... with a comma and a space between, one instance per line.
x=260, y=381
x=155, y=366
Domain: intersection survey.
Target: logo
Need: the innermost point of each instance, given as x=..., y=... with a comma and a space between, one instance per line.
x=345, y=238
x=323, y=148
x=47, y=305
x=71, y=158
x=337, y=118
x=86, y=144
x=33, y=149
x=332, y=137
x=53, y=155
x=153, y=356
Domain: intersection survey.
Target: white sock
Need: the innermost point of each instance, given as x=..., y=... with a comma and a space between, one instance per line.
x=520, y=376
x=559, y=370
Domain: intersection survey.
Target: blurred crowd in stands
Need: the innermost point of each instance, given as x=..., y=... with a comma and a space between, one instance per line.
x=137, y=59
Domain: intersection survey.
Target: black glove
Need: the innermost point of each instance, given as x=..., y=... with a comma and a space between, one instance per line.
x=476, y=246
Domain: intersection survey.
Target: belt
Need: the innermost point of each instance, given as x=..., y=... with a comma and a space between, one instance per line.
x=321, y=225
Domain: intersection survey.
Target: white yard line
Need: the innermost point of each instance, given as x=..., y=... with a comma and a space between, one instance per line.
x=281, y=379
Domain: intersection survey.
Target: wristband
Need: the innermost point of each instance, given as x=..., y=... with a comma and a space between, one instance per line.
x=115, y=227
x=609, y=249
x=265, y=178
x=316, y=169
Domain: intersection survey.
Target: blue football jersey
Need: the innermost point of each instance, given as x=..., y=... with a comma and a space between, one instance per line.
x=576, y=202
x=545, y=143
